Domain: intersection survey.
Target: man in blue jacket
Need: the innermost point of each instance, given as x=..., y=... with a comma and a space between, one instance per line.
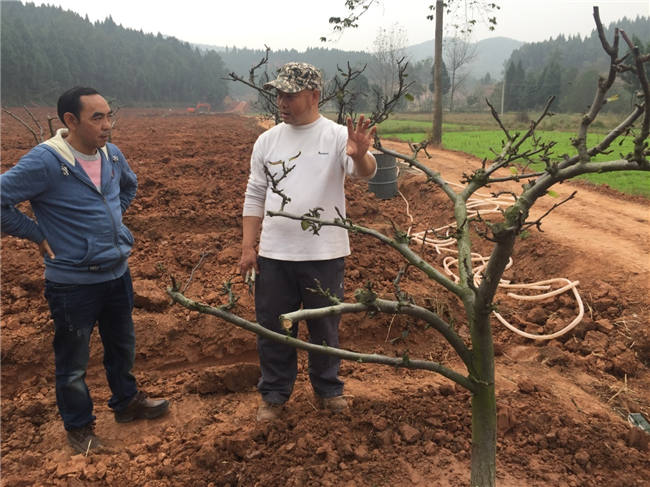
x=78, y=187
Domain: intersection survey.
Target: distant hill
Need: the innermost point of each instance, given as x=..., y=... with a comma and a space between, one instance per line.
x=568, y=67
x=491, y=55
x=46, y=50
x=579, y=52
x=146, y=69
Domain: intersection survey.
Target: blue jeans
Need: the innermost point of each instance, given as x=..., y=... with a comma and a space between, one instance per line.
x=75, y=310
x=281, y=287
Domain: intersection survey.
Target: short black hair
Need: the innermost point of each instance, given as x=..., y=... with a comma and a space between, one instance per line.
x=70, y=101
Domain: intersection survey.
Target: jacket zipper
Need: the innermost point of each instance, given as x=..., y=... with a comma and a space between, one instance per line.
x=108, y=209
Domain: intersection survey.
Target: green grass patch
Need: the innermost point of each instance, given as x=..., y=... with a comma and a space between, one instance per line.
x=415, y=126
x=403, y=126
x=407, y=137
x=479, y=143
x=565, y=122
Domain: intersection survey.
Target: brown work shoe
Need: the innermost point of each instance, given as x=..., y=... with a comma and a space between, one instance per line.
x=335, y=404
x=142, y=407
x=83, y=440
x=268, y=411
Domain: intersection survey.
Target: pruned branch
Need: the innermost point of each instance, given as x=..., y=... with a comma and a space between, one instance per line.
x=267, y=97
x=511, y=149
x=384, y=104
x=341, y=93
x=432, y=175
x=640, y=142
x=516, y=177
x=326, y=293
x=274, y=181
x=189, y=279
x=263, y=61
x=388, y=307
x=258, y=329
x=538, y=223
x=36, y=122
x=37, y=137
x=412, y=257
x=338, y=89
x=401, y=295
x=49, y=124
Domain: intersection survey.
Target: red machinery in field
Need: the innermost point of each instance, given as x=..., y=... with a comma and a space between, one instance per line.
x=200, y=108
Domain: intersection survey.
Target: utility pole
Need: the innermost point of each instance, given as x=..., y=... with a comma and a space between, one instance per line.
x=436, y=133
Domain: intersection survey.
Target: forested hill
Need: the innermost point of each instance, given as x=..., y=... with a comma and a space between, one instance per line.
x=568, y=67
x=574, y=51
x=46, y=50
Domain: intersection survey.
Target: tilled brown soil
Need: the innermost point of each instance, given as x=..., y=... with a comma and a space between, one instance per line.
x=562, y=404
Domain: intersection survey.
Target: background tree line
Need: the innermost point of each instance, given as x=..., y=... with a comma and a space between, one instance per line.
x=45, y=50
x=568, y=67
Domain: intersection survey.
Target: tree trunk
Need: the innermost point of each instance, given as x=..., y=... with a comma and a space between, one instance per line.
x=484, y=437
x=436, y=133
x=484, y=408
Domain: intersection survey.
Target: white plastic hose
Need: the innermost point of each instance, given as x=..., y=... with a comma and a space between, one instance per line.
x=486, y=204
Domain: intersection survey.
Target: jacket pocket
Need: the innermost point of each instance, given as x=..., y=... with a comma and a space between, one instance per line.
x=101, y=250
x=78, y=256
x=126, y=236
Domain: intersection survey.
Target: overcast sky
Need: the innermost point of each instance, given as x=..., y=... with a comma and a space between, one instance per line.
x=299, y=24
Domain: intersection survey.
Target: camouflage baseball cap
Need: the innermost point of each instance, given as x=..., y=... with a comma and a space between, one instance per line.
x=295, y=77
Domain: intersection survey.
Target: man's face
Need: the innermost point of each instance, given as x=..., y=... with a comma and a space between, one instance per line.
x=298, y=108
x=91, y=130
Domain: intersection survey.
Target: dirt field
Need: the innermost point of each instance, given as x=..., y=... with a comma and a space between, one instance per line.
x=562, y=404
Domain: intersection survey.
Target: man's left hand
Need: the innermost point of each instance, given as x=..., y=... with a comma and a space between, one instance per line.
x=360, y=138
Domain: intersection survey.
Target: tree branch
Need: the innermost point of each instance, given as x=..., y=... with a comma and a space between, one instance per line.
x=258, y=329
x=538, y=223
x=25, y=124
x=384, y=105
x=403, y=248
x=640, y=143
x=389, y=307
x=604, y=84
x=433, y=176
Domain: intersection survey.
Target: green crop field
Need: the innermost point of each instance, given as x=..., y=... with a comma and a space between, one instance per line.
x=484, y=143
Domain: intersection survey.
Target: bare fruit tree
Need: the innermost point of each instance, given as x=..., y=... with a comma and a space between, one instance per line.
x=475, y=288
x=388, y=48
x=337, y=91
x=38, y=137
x=458, y=52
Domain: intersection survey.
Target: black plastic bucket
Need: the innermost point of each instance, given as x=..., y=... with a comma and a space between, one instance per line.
x=384, y=184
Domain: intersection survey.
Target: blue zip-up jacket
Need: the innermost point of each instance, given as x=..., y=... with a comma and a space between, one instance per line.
x=82, y=225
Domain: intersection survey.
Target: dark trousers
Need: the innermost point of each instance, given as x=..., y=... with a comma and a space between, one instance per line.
x=75, y=310
x=282, y=287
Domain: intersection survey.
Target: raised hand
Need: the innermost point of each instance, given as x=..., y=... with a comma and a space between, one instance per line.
x=360, y=138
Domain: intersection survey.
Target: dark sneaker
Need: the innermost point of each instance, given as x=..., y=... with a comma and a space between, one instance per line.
x=335, y=404
x=142, y=407
x=83, y=440
x=268, y=411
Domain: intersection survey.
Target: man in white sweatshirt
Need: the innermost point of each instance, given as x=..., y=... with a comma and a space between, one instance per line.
x=305, y=159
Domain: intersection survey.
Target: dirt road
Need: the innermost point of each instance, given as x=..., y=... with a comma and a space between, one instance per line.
x=598, y=224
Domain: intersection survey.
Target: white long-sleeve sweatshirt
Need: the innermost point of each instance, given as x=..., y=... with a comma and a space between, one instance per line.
x=316, y=152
